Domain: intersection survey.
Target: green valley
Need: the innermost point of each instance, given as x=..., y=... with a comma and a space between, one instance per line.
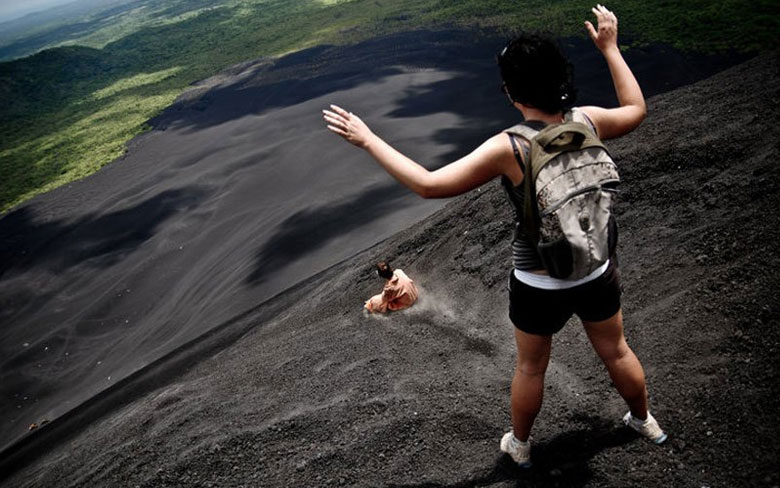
x=71, y=108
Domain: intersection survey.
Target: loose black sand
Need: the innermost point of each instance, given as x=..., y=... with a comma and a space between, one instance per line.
x=304, y=390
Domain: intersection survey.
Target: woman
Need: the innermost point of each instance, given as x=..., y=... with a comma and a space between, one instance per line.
x=537, y=80
x=399, y=291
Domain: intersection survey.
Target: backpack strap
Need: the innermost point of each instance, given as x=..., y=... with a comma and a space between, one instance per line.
x=526, y=151
x=522, y=130
x=577, y=115
x=530, y=211
x=530, y=208
x=526, y=133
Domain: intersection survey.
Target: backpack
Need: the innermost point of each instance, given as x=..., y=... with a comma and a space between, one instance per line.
x=569, y=182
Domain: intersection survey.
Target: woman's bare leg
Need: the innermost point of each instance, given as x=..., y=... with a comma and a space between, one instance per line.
x=533, y=354
x=624, y=368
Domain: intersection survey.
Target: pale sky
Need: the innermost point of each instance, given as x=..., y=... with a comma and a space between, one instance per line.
x=12, y=9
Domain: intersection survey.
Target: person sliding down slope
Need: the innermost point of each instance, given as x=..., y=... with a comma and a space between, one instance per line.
x=399, y=291
x=538, y=82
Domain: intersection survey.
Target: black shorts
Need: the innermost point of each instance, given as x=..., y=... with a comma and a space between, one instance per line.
x=545, y=312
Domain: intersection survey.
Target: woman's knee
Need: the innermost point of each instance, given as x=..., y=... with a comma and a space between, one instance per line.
x=532, y=367
x=533, y=353
x=607, y=338
x=615, y=353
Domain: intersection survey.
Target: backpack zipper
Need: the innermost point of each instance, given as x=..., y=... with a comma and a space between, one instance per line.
x=573, y=194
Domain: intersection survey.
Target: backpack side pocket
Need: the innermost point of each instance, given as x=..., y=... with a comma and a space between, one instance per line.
x=612, y=238
x=557, y=257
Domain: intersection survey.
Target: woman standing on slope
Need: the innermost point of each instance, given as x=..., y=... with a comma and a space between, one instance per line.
x=537, y=80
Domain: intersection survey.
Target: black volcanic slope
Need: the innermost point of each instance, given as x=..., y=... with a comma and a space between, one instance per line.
x=306, y=390
x=228, y=202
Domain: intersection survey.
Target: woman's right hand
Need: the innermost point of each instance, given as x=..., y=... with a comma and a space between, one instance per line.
x=606, y=35
x=347, y=125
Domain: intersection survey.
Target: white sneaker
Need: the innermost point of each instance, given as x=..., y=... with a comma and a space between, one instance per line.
x=648, y=427
x=519, y=451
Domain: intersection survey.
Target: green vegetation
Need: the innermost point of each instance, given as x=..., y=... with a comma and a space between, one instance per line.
x=70, y=110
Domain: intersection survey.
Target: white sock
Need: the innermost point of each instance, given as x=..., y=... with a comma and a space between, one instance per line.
x=637, y=420
x=522, y=443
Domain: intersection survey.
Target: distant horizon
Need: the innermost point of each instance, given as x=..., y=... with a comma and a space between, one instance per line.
x=11, y=10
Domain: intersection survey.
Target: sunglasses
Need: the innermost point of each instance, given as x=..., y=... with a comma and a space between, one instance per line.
x=505, y=91
x=504, y=88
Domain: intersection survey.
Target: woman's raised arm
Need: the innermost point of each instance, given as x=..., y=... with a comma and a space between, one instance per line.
x=489, y=160
x=615, y=122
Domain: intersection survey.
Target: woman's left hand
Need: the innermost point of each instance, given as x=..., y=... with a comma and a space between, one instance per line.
x=347, y=125
x=605, y=36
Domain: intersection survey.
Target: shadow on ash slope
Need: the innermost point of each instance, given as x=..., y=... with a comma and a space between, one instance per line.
x=238, y=194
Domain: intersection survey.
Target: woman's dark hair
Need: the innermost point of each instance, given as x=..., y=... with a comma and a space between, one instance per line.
x=384, y=270
x=536, y=73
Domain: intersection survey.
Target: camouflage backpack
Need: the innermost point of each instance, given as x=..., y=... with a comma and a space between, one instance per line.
x=569, y=182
